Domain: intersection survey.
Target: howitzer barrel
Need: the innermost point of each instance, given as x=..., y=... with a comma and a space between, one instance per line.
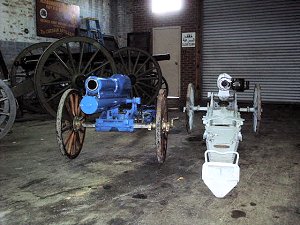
x=105, y=93
x=162, y=57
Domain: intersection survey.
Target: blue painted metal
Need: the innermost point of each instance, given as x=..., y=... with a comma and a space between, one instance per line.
x=111, y=97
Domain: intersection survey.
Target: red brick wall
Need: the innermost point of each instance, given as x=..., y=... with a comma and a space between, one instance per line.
x=189, y=20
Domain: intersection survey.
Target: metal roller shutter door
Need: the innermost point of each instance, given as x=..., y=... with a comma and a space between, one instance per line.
x=255, y=40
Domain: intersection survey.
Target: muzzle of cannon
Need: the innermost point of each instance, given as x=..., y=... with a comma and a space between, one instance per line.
x=106, y=93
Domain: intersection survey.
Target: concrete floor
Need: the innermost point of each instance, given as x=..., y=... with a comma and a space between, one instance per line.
x=115, y=180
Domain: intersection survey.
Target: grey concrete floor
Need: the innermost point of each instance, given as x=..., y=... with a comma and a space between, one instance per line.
x=116, y=180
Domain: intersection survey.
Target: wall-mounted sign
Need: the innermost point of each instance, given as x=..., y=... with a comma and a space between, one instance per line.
x=188, y=39
x=56, y=19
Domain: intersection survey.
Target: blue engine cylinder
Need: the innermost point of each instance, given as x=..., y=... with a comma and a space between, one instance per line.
x=104, y=93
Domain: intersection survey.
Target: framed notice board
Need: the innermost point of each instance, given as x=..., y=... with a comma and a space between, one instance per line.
x=56, y=19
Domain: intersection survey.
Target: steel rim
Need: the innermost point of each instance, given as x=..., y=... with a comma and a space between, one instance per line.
x=65, y=64
x=69, y=129
x=161, y=138
x=257, y=108
x=143, y=70
x=7, y=109
x=164, y=85
x=189, y=108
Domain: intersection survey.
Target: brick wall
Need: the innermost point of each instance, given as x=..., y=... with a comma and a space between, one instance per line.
x=18, y=15
x=189, y=20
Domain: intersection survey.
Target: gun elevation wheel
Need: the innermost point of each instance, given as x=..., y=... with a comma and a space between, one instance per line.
x=143, y=71
x=257, y=108
x=189, y=108
x=162, y=126
x=69, y=129
x=66, y=64
x=7, y=109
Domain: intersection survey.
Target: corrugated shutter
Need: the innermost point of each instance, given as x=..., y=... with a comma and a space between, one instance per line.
x=256, y=40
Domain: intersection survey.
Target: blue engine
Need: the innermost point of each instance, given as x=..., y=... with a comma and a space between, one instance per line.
x=111, y=97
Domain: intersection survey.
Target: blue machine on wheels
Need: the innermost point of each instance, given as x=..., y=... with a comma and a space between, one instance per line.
x=110, y=98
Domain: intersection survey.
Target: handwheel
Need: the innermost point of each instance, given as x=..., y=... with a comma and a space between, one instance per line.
x=7, y=109
x=22, y=70
x=69, y=129
x=257, y=108
x=143, y=71
x=66, y=64
x=162, y=126
x=189, y=107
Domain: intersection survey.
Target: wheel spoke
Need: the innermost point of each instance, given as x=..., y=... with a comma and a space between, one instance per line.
x=90, y=61
x=67, y=127
x=71, y=57
x=5, y=113
x=70, y=142
x=123, y=63
x=81, y=55
x=55, y=72
x=146, y=85
x=142, y=65
x=136, y=62
x=76, y=105
x=3, y=99
x=56, y=83
x=129, y=62
x=62, y=62
x=97, y=68
x=58, y=94
x=145, y=72
x=143, y=91
x=72, y=104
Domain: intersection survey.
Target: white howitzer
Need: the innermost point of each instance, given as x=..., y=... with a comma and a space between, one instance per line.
x=220, y=171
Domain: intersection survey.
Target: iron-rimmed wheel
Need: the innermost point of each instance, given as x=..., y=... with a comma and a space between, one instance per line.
x=65, y=64
x=7, y=109
x=143, y=71
x=257, y=108
x=162, y=126
x=189, y=107
x=70, y=132
x=22, y=70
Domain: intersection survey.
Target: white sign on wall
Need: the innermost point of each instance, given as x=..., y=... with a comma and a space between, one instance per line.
x=188, y=39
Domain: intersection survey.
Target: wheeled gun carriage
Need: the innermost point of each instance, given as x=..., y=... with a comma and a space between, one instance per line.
x=220, y=171
x=42, y=72
x=110, y=98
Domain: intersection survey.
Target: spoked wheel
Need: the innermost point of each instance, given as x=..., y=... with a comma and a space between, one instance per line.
x=69, y=129
x=7, y=109
x=257, y=108
x=189, y=108
x=66, y=64
x=22, y=71
x=143, y=71
x=162, y=126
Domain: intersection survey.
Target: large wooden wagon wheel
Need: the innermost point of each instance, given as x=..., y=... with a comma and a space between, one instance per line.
x=143, y=71
x=66, y=64
x=70, y=132
x=22, y=71
x=162, y=126
x=7, y=109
